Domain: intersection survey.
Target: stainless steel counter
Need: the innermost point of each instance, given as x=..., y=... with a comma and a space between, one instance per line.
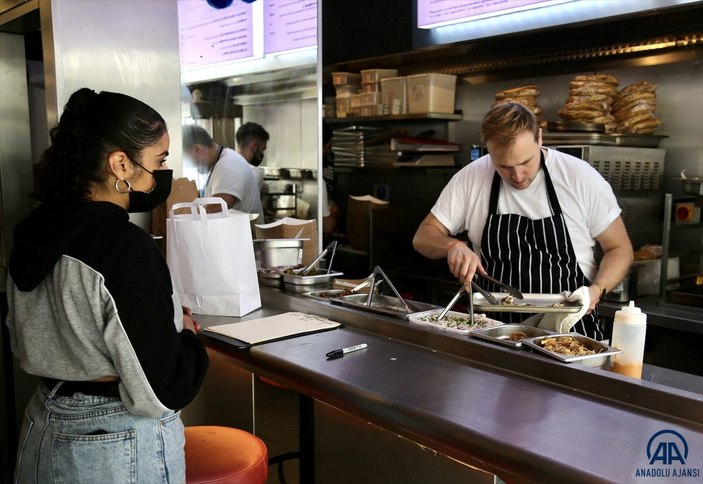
x=516, y=414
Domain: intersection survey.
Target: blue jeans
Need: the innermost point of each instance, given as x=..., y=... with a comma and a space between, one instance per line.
x=91, y=439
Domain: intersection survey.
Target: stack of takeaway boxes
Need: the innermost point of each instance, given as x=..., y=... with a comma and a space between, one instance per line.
x=379, y=92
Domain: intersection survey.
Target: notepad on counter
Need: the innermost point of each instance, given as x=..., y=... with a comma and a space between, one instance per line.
x=272, y=328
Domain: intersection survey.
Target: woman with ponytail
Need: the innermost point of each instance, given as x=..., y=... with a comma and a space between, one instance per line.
x=92, y=312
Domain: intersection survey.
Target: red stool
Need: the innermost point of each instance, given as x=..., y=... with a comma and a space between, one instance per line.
x=224, y=455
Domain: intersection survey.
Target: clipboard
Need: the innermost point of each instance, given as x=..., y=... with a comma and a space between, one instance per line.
x=273, y=328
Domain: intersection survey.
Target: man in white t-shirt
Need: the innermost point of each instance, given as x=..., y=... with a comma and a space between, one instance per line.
x=231, y=175
x=533, y=216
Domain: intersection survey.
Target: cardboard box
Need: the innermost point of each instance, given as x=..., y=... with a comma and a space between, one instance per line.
x=359, y=219
x=431, y=93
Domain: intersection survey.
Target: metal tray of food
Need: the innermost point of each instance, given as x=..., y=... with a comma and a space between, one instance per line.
x=311, y=279
x=381, y=304
x=511, y=335
x=272, y=279
x=302, y=284
x=532, y=303
x=599, y=353
x=454, y=321
x=327, y=294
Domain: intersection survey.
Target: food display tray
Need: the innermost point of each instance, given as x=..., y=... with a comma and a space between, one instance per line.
x=311, y=280
x=603, y=351
x=480, y=321
x=501, y=334
x=271, y=279
x=327, y=294
x=532, y=303
x=381, y=304
x=301, y=284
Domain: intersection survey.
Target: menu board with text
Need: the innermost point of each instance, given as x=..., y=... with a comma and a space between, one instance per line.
x=289, y=24
x=211, y=35
x=437, y=12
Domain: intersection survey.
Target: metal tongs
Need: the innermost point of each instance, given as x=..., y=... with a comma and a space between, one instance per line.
x=509, y=289
x=469, y=289
x=372, y=280
x=331, y=246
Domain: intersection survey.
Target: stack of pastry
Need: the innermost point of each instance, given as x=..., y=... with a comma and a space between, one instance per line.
x=526, y=95
x=591, y=99
x=634, y=108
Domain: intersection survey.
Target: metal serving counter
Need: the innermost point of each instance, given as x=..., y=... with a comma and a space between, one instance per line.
x=519, y=415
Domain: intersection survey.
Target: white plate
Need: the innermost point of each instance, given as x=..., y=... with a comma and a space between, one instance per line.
x=448, y=325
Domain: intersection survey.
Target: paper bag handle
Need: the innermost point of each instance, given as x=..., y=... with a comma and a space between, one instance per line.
x=200, y=215
x=214, y=201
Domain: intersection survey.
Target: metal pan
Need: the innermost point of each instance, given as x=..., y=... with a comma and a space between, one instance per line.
x=381, y=304
x=599, y=358
x=532, y=303
x=453, y=321
x=327, y=294
x=502, y=334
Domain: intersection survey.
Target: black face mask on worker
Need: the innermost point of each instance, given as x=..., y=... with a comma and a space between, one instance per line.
x=257, y=157
x=148, y=201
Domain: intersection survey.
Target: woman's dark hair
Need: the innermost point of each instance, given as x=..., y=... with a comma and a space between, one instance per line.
x=91, y=127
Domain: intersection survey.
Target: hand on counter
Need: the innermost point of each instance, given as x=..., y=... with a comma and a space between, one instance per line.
x=189, y=322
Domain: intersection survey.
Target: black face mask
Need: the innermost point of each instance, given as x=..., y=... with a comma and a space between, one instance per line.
x=257, y=158
x=148, y=201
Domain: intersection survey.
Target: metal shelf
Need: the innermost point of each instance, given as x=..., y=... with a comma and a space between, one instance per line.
x=397, y=118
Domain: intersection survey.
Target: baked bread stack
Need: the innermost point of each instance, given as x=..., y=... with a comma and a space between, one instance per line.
x=634, y=107
x=591, y=99
x=526, y=95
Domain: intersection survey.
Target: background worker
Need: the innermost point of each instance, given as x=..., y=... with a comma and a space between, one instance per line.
x=230, y=174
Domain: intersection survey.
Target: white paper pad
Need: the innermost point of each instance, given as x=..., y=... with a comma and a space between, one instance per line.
x=273, y=328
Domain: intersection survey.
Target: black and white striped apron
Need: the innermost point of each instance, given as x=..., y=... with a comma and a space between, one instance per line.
x=534, y=256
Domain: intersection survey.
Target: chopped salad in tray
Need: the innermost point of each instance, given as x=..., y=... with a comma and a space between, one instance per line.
x=453, y=321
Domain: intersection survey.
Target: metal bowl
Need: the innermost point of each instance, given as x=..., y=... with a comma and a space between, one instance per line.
x=692, y=186
x=279, y=252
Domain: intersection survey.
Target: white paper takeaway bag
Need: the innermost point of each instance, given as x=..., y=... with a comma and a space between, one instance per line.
x=211, y=259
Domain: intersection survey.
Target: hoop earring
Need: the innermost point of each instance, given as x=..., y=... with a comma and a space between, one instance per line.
x=127, y=184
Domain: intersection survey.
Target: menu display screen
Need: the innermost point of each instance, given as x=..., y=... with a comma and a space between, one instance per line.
x=432, y=13
x=289, y=24
x=210, y=35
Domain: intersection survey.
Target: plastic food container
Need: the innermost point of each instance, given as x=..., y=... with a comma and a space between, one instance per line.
x=371, y=110
x=346, y=91
x=368, y=98
x=394, y=95
x=431, y=93
x=375, y=75
x=341, y=78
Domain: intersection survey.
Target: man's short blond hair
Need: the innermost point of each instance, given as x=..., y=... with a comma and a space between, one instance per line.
x=504, y=122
